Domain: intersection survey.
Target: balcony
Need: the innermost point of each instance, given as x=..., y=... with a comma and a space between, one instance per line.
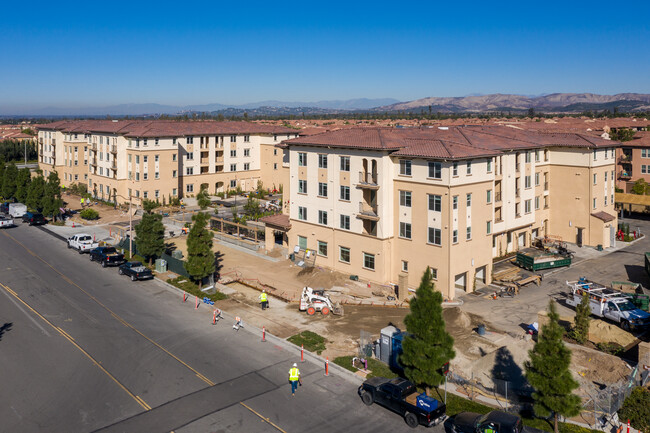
x=367, y=212
x=517, y=167
x=219, y=161
x=625, y=159
x=545, y=186
x=94, y=147
x=114, y=148
x=367, y=181
x=497, y=197
x=625, y=175
x=93, y=162
x=205, y=162
x=114, y=165
x=517, y=192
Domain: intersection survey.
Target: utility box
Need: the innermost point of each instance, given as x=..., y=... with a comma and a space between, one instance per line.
x=177, y=254
x=161, y=265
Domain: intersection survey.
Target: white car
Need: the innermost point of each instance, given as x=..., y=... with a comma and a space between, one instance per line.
x=6, y=222
x=82, y=242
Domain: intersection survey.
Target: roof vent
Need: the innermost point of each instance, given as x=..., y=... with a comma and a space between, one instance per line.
x=444, y=128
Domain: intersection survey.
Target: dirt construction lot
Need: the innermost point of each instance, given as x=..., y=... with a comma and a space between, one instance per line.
x=500, y=353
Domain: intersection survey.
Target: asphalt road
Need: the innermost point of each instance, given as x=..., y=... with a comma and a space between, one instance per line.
x=84, y=349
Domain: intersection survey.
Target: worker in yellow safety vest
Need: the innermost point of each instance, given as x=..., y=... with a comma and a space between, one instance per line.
x=294, y=378
x=264, y=300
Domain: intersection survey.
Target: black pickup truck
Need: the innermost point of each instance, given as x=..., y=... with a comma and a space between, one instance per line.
x=108, y=256
x=401, y=396
x=492, y=422
x=135, y=270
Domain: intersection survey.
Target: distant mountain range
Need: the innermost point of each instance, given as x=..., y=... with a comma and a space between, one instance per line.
x=553, y=103
x=476, y=103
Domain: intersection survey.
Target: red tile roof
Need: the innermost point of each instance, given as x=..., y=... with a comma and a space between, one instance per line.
x=280, y=220
x=603, y=216
x=449, y=142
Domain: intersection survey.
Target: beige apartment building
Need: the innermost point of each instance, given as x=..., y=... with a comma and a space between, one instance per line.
x=118, y=159
x=386, y=203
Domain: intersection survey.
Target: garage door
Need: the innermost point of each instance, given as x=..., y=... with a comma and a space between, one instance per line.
x=480, y=275
x=521, y=240
x=460, y=281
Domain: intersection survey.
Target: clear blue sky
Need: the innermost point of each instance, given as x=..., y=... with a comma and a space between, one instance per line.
x=67, y=53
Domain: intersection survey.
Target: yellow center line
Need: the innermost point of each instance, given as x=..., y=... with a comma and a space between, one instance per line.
x=71, y=340
x=124, y=322
x=262, y=417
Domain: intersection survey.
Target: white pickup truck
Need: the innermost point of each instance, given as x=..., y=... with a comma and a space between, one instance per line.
x=82, y=242
x=6, y=222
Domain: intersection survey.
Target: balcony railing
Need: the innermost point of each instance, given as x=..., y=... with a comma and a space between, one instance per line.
x=114, y=148
x=517, y=192
x=114, y=165
x=625, y=159
x=367, y=180
x=94, y=147
x=205, y=161
x=497, y=196
x=517, y=167
x=545, y=186
x=625, y=175
x=367, y=212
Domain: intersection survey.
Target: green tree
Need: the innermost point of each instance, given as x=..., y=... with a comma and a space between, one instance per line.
x=23, y=180
x=639, y=187
x=51, y=201
x=252, y=207
x=150, y=232
x=202, y=198
x=427, y=345
x=200, y=258
x=580, y=331
x=9, y=181
x=3, y=164
x=35, y=193
x=622, y=134
x=636, y=408
x=548, y=372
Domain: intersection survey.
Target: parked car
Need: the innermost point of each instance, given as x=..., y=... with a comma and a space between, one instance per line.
x=402, y=397
x=492, y=422
x=6, y=222
x=135, y=270
x=107, y=256
x=82, y=242
x=34, y=218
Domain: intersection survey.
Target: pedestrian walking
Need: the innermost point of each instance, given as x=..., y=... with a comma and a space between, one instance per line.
x=294, y=378
x=264, y=300
x=82, y=202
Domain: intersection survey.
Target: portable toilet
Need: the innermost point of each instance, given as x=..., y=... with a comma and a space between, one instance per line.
x=386, y=343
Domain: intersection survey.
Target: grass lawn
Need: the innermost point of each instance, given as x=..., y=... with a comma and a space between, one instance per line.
x=185, y=284
x=312, y=341
x=376, y=367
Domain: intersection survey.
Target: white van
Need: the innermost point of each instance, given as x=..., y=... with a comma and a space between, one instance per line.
x=17, y=210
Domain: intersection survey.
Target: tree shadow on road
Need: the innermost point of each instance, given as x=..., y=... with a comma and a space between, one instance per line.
x=5, y=328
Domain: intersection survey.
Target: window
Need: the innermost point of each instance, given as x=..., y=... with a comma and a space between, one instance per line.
x=275, y=152
x=469, y=200
x=434, y=273
x=173, y=141
x=322, y=160
x=190, y=156
x=322, y=189
x=345, y=222
x=605, y=201
x=595, y=153
x=302, y=159
x=405, y=167
x=454, y=202
x=233, y=153
x=156, y=158
x=435, y=202
x=369, y=261
x=405, y=198
x=247, y=139
x=190, y=187
x=145, y=159
x=144, y=194
x=344, y=254
x=595, y=177
x=536, y=202
x=643, y=153
x=528, y=156
x=302, y=213
x=145, y=176
x=454, y=236
x=517, y=210
x=434, y=236
x=189, y=170
x=345, y=193
x=489, y=165
x=275, y=137
x=536, y=179
x=233, y=167
x=173, y=157
x=537, y=156
x=190, y=140
x=489, y=196
x=156, y=175
x=454, y=169
x=233, y=139
x=233, y=183
x=322, y=217
x=405, y=266
x=137, y=174
x=405, y=230
x=302, y=242
x=527, y=205
x=322, y=248
x=174, y=192
x=489, y=227
x=275, y=166
x=605, y=176
x=302, y=187
x=435, y=170
x=469, y=167
x=247, y=166
x=156, y=142
x=156, y=193
x=247, y=152
x=469, y=233
x=594, y=203
x=345, y=163
x=174, y=173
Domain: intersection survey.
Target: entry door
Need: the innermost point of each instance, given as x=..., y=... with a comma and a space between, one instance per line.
x=579, y=237
x=460, y=281
x=521, y=240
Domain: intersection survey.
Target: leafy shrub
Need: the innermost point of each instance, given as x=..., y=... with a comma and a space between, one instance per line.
x=611, y=348
x=89, y=214
x=635, y=408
